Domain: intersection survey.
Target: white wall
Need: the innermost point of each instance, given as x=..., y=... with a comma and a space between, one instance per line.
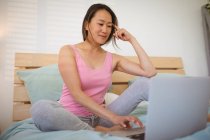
x=164, y=28
x=167, y=28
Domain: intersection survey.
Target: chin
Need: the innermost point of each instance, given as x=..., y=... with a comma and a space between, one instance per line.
x=101, y=42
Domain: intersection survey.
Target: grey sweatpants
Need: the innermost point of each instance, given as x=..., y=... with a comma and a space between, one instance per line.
x=51, y=116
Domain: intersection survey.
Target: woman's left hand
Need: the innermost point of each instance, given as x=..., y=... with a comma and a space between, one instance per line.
x=121, y=33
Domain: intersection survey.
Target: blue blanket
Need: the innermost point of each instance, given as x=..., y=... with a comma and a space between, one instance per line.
x=26, y=130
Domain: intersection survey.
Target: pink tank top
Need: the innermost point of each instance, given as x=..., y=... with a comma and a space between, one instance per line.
x=94, y=83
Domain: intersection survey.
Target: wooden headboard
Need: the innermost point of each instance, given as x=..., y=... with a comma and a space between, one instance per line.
x=23, y=61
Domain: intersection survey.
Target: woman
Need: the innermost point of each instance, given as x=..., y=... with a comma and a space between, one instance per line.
x=86, y=69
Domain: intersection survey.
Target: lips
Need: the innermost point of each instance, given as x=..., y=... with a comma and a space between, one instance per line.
x=103, y=36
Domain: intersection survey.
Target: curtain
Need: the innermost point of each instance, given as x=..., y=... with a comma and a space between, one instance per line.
x=206, y=26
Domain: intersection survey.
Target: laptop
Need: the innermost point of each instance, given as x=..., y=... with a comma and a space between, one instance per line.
x=178, y=107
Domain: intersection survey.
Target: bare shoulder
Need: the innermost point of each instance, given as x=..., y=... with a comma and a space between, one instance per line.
x=66, y=50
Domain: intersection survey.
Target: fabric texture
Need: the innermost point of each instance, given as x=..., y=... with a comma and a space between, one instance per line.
x=50, y=115
x=26, y=130
x=94, y=82
x=158, y=75
x=129, y=99
x=42, y=83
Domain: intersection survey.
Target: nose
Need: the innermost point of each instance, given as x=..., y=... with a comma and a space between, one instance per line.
x=104, y=29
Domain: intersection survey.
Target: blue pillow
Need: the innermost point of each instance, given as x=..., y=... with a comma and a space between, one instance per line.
x=42, y=83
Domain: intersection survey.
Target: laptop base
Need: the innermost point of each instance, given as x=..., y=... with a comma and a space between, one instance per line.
x=133, y=133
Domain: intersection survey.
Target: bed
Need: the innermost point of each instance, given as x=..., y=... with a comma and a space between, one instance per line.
x=36, y=71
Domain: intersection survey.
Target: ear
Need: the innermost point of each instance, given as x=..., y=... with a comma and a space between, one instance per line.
x=86, y=25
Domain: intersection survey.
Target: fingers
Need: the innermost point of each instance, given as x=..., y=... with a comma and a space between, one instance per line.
x=127, y=124
x=128, y=119
x=120, y=33
x=124, y=121
x=137, y=122
x=116, y=27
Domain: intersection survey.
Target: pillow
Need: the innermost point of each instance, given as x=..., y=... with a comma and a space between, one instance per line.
x=42, y=83
x=110, y=97
x=141, y=109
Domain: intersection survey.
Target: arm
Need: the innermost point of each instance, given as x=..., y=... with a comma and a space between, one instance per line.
x=69, y=73
x=144, y=68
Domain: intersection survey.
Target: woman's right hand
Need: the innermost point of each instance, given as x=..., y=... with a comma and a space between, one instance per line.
x=124, y=121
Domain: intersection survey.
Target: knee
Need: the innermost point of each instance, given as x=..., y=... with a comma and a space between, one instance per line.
x=39, y=107
x=41, y=113
x=142, y=86
x=142, y=82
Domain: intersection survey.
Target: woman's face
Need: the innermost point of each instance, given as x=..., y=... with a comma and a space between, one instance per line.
x=100, y=27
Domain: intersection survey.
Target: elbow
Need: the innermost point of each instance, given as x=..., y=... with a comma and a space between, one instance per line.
x=77, y=95
x=151, y=73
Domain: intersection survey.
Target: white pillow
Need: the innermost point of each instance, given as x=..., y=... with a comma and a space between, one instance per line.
x=110, y=97
x=143, y=104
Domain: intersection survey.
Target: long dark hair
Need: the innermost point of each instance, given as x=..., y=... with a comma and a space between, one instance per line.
x=91, y=13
